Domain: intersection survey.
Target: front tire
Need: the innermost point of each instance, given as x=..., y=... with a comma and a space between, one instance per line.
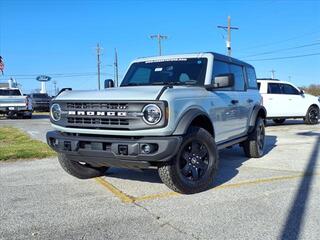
x=79, y=170
x=254, y=146
x=194, y=167
x=312, y=116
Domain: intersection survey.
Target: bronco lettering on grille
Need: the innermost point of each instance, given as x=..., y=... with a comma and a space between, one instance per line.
x=93, y=113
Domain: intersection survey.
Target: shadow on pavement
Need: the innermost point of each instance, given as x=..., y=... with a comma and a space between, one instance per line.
x=295, y=218
x=40, y=116
x=230, y=161
x=34, y=116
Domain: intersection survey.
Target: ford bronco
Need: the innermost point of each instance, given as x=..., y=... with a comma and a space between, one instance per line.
x=170, y=112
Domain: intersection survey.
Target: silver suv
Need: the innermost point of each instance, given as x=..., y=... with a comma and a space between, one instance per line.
x=170, y=112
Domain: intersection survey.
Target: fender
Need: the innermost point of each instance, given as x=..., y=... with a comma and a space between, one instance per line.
x=256, y=110
x=187, y=119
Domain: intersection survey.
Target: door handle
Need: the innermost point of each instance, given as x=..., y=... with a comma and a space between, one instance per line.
x=234, y=101
x=250, y=100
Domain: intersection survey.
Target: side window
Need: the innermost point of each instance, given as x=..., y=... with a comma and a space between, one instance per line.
x=238, y=77
x=251, y=76
x=288, y=89
x=259, y=85
x=141, y=76
x=220, y=68
x=274, y=88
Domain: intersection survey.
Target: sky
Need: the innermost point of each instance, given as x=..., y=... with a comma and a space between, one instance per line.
x=58, y=38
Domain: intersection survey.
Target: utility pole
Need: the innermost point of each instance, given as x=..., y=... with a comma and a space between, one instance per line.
x=228, y=29
x=98, y=63
x=272, y=74
x=116, y=72
x=159, y=37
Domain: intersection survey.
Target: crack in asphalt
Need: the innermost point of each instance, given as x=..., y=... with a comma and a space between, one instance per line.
x=156, y=217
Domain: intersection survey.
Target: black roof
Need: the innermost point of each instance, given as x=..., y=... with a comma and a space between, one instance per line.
x=226, y=58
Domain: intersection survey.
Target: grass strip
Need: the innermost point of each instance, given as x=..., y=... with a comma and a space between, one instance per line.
x=15, y=144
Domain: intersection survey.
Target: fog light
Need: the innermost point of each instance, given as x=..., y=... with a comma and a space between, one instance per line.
x=54, y=142
x=123, y=149
x=146, y=148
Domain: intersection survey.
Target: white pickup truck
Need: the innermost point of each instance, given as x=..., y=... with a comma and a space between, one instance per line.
x=14, y=104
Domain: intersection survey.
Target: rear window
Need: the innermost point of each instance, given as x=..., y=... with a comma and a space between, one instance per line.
x=39, y=95
x=10, y=92
x=274, y=88
x=251, y=76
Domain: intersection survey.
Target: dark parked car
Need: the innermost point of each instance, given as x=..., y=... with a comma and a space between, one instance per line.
x=40, y=101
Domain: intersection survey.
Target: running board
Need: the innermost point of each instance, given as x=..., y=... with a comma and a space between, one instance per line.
x=230, y=143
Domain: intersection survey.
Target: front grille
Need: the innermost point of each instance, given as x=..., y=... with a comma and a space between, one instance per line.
x=98, y=121
x=97, y=106
x=121, y=115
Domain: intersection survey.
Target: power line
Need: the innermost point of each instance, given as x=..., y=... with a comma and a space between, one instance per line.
x=56, y=74
x=57, y=77
x=281, y=41
x=286, y=57
x=283, y=49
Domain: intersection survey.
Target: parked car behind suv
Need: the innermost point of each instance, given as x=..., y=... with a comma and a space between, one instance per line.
x=14, y=104
x=40, y=102
x=170, y=112
x=283, y=100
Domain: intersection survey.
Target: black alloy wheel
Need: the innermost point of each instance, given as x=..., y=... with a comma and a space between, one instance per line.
x=194, y=160
x=313, y=115
x=254, y=146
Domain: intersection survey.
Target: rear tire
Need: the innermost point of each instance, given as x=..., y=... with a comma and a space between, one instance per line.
x=254, y=146
x=194, y=167
x=79, y=170
x=279, y=120
x=312, y=116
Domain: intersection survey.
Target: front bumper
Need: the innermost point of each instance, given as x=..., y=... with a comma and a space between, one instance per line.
x=113, y=151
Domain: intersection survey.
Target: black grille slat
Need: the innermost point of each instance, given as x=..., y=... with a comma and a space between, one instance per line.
x=97, y=106
x=97, y=121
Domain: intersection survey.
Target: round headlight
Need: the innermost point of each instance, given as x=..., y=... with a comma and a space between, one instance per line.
x=55, y=111
x=152, y=114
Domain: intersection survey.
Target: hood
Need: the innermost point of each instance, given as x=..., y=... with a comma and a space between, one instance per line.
x=119, y=93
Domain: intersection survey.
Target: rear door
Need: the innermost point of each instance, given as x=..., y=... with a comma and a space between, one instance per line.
x=275, y=101
x=295, y=101
x=240, y=101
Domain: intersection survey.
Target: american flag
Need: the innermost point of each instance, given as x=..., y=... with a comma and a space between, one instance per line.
x=1, y=65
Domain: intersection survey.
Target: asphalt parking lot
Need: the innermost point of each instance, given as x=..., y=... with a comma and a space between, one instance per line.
x=275, y=197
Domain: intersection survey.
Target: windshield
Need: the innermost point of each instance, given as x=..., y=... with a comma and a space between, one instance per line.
x=10, y=92
x=180, y=71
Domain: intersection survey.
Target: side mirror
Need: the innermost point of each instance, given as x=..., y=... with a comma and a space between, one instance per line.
x=302, y=92
x=222, y=81
x=108, y=83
